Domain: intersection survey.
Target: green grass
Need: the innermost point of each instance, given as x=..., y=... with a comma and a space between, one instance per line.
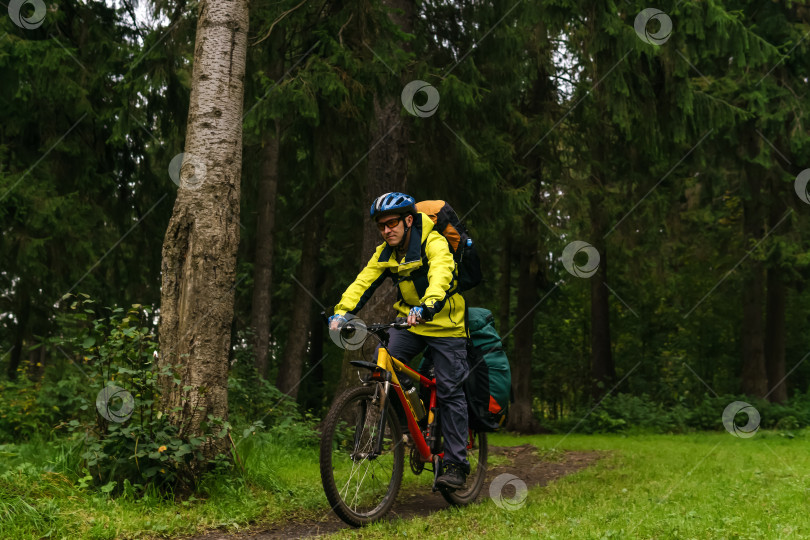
x=686, y=486
x=40, y=495
x=708, y=485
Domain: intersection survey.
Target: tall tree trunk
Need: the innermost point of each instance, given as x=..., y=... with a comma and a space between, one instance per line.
x=263, y=269
x=775, y=335
x=387, y=171
x=265, y=226
x=530, y=278
x=505, y=288
x=754, y=378
x=199, y=250
x=520, y=414
x=289, y=372
x=603, y=370
x=314, y=398
x=775, y=305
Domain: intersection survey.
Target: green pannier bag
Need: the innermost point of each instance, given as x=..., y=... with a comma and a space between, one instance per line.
x=488, y=386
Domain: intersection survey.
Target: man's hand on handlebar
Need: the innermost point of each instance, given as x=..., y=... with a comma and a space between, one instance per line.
x=419, y=314
x=336, y=321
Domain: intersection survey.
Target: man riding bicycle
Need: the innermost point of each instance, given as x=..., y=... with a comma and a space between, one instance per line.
x=419, y=261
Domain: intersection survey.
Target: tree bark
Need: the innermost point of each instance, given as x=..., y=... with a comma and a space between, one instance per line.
x=289, y=372
x=754, y=378
x=387, y=171
x=200, y=246
x=261, y=309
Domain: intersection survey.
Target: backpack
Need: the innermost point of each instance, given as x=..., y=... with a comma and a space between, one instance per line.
x=447, y=224
x=488, y=386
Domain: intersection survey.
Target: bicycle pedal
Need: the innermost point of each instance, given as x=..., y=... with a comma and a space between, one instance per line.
x=437, y=469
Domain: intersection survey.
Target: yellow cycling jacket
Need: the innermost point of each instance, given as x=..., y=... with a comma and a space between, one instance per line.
x=433, y=284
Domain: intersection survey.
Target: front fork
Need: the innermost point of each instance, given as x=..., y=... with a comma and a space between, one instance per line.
x=386, y=387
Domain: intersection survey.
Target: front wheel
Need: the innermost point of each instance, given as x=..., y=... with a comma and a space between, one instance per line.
x=477, y=456
x=360, y=483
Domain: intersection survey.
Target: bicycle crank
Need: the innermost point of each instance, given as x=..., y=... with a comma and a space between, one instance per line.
x=437, y=471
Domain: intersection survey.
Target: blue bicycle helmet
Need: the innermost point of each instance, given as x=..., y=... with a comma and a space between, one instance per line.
x=393, y=203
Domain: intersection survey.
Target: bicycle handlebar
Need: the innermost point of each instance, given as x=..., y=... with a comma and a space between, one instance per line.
x=399, y=323
x=374, y=328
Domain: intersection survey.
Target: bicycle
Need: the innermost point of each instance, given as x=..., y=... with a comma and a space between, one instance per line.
x=362, y=449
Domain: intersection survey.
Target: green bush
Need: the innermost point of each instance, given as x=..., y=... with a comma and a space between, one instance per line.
x=128, y=443
x=255, y=404
x=625, y=413
x=32, y=409
x=21, y=413
x=133, y=447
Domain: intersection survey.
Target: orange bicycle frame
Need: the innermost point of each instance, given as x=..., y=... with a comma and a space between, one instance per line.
x=392, y=366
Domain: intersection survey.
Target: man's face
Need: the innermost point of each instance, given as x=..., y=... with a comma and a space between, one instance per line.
x=392, y=228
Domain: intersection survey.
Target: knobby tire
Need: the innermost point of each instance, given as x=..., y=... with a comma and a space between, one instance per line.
x=360, y=490
x=477, y=456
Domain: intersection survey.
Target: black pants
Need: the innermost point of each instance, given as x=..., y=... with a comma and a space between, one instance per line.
x=449, y=357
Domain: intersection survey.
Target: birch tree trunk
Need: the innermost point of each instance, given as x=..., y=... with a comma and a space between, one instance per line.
x=199, y=250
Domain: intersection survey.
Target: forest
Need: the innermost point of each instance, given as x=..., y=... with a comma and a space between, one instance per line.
x=184, y=197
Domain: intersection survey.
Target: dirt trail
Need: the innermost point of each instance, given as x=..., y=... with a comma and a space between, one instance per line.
x=523, y=463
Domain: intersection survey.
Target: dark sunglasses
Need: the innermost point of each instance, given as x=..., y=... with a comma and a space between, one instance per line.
x=391, y=223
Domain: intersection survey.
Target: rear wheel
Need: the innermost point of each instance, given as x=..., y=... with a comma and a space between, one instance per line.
x=360, y=484
x=477, y=456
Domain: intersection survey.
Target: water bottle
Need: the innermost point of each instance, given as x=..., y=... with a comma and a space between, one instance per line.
x=469, y=242
x=412, y=394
